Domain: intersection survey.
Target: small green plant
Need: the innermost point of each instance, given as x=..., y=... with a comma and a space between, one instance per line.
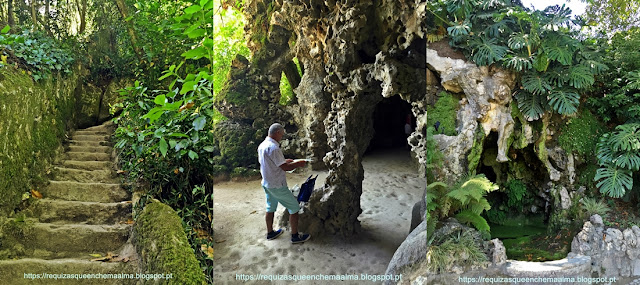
x=591, y=206
x=464, y=200
x=516, y=191
x=456, y=248
x=286, y=92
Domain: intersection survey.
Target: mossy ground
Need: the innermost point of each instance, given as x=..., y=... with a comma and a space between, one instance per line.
x=581, y=134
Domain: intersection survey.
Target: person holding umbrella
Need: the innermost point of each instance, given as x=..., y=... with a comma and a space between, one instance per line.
x=274, y=182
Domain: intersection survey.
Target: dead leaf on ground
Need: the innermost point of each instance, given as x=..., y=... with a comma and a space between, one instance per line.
x=253, y=212
x=109, y=257
x=122, y=171
x=128, y=222
x=36, y=194
x=186, y=106
x=201, y=233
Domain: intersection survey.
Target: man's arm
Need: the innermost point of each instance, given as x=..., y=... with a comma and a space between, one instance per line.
x=290, y=165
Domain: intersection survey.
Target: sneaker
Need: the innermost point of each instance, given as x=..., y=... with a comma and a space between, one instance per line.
x=274, y=234
x=298, y=238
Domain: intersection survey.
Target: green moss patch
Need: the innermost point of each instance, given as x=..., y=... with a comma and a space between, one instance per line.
x=581, y=134
x=163, y=245
x=445, y=112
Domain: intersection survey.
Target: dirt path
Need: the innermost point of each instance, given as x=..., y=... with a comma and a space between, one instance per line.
x=83, y=215
x=390, y=188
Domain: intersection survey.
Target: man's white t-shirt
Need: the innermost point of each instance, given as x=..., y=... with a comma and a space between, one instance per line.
x=270, y=157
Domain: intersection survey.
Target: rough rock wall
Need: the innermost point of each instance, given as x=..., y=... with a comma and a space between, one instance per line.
x=353, y=54
x=613, y=252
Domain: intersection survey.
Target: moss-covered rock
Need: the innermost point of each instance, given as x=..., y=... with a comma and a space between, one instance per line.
x=444, y=111
x=237, y=143
x=162, y=243
x=33, y=120
x=580, y=134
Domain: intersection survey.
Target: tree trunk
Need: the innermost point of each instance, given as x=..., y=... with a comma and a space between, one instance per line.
x=82, y=10
x=47, y=16
x=34, y=19
x=12, y=21
x=132, y=33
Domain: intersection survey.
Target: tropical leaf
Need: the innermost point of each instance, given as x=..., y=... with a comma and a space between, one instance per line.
x=614, y=181
x=556, y=76
x=559, y=49
x=633, y=78
x=517, y=63
x=559, y=16
x=541, y=61
x=467, y=216
x=532, y=106
x=604, y=152
x=628, y=160
x=498, y=28
x=518, y=41
x=564, y=102
x=460, y=29
x=580, y=76
x=486, y=51
x=535, y=83
x=595, y=66
x=626, y=138
x=494, y=4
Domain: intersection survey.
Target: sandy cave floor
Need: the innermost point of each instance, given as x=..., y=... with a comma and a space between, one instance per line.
x=390, y=188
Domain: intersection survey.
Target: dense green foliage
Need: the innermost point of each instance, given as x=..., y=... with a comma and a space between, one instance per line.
x=164, y=135
x=465, y=200
x=554, y=66
x=610, y=16
x=618, y=156
x=444, y=113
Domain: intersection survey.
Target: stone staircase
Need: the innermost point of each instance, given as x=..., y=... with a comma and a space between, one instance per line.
x=83, y=213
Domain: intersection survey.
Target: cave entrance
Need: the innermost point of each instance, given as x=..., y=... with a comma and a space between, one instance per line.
x=389, y=119
x=520, y=209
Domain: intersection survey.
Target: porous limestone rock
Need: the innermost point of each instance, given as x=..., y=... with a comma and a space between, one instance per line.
x=613, y=252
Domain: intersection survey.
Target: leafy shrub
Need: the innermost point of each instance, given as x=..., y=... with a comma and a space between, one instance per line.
x=286, y=93
x=465, y=200
x=35, y=52
x=496, y=216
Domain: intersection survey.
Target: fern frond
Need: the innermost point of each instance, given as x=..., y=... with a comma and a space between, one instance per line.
x=459, y=194
x=535, y=83
x=615, y=181
x=467, y=216
x=564, y=102
x=531, y=106
x=580, y=77
x=479, y=206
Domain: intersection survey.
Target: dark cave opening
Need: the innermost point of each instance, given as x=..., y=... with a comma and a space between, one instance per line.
x=389, y=119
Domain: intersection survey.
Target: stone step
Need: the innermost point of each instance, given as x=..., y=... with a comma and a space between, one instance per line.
x=87, y=165
x=88, y=156
x=52, y=241
x=92, y=132
x=78, y=212
x=88, y=192
x=16, y=271
x=90, y=137
x=92, y=149
x=104, y=127
x=89, y=143
x=79, y=175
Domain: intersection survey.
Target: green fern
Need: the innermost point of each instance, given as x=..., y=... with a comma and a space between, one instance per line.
x=531, y=106
x=564, y=102
x=615, y=181
x=467, y=216
x=486, y=51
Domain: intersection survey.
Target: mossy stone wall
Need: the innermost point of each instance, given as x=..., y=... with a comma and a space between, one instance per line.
x=162, y=243
x=33, y=120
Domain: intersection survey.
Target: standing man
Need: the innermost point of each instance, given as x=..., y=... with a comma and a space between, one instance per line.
x=274, y=182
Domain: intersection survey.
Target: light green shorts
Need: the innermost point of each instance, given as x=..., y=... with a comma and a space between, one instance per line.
x=282, y=195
